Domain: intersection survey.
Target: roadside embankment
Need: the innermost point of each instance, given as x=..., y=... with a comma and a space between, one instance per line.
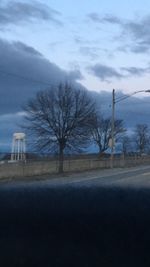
x=35, y=168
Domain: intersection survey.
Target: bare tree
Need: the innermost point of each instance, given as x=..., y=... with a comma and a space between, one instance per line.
x=101, y=131
x=142, y=137
x=126, y=144
x=60, y=118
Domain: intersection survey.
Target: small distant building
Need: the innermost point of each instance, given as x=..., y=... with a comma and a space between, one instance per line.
x=18, y=147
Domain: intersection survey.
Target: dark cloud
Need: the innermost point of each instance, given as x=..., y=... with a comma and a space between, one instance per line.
x=132, y=110
x=135, y=32
x=134, y=71
x=75, y=75
x=19, y=46
x=139, y=32
x=112, y=19
x=18, y=62
x=139, y=48
x=23, y=72
x=136, y=35
x=15, y=12
x=95, y=17
x=105, y=73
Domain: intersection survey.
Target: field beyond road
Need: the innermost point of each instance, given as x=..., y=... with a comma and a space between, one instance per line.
x=51, y=167
x=134, y=176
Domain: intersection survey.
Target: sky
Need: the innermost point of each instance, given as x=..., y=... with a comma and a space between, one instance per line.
x=99, y=45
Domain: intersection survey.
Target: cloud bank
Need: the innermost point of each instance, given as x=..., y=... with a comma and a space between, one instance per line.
x=15, y=12
x=107, y=73
x=136, y=32
x=23, y=72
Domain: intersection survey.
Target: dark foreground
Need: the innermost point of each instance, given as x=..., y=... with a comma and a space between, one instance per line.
x=74, y=226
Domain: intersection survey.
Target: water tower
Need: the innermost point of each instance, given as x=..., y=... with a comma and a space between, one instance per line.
x=18, y=147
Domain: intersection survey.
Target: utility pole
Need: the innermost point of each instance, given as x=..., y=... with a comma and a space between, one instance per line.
x=112, y=128
x=114, y=101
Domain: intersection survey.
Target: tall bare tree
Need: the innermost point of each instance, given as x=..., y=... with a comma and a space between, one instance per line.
x=142, y=137
x=126, y=144
x=101, y=131
x=60, y=118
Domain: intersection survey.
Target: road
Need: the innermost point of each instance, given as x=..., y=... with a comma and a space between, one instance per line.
x=96, y=218
x=120, y=177
x=137, y=176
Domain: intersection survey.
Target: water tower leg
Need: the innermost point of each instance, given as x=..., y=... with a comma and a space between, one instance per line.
x=13, y=150
x=18, y=146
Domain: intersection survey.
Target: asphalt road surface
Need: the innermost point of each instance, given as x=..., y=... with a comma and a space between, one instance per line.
x=137, y=176
x=98, y=218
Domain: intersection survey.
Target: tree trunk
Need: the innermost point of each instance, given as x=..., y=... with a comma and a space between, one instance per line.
x=101, y=152
x=61, y=160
